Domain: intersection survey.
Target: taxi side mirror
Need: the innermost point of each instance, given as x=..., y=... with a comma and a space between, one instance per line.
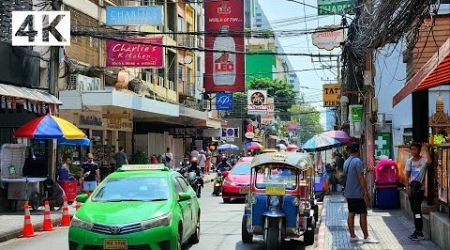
x=184, y=196
x=82, y=198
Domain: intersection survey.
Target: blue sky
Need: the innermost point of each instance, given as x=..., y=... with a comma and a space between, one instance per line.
x=276, y=10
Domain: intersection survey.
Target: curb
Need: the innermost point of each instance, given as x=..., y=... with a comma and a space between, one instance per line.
x=14, y=234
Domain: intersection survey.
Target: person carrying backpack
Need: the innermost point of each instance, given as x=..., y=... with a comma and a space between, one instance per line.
x=168, y=158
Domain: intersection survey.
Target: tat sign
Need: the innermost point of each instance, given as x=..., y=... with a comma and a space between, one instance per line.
x=224, y=70
x=331, y=95
x=328, y=37
x=135, y=54
x=257, y=102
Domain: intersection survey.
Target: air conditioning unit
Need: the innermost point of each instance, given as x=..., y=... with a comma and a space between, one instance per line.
x=79, y=82
x=206, y=104
x=96, y=84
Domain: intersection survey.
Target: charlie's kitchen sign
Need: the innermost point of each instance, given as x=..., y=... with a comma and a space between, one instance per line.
x=335, y=7
x=147, y=53
x=328, y=37
x=257, y=102
x=331, y=95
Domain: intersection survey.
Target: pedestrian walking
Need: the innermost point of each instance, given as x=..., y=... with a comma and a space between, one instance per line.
x=120, y=157
x=201, y=160
x=208, y=163
x=168, y=158
x=195, y=153
x=90, y=174
x=356, y=193
x=415, y=170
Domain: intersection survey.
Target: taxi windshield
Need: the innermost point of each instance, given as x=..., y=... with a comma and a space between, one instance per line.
x=133, y=188
x=276, y=177
x=241, y=169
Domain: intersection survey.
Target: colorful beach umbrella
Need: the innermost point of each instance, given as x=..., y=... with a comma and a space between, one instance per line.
x=253, y=146
x=292, y=147
x=339, y=135
x=228, y=147
x=320, y=142
x=74, y=142
x=49, y=127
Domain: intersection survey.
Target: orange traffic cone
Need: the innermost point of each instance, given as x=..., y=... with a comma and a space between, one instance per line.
x=48, y=224
x=28, y=230
x=65, y=220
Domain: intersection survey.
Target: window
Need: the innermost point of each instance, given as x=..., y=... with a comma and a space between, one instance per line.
x=180, y=24
x=184, y=185
x=177, y=185
x=147, y=2
x=188, y=75
x=258, y=25
x=180, y=73
x=258, y=14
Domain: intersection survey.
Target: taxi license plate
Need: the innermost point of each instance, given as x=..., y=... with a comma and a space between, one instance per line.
x=244, y=190
x=275, y=190
x=115, y=244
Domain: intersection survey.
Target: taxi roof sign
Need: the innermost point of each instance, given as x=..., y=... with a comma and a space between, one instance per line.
x=138, y=167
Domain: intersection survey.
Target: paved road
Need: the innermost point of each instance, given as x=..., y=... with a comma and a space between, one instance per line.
x=220, y=230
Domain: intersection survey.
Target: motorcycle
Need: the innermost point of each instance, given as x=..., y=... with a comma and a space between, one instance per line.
x=195, y=183
x=219, y=181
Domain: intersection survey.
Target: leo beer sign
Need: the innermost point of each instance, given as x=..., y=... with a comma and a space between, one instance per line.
x=225, y=65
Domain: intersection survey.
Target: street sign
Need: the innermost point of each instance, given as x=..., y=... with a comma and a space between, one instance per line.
x=230, y=134
x=224, y=101
x=382, y=144
x=335, y=7
x=331, y=95
x=356, y=113
x=257, y=102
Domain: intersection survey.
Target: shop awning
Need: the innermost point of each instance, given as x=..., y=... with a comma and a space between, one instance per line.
x=434, y=73
x=34, y=95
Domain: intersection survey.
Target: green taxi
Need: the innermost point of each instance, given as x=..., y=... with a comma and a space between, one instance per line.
x=137, y=207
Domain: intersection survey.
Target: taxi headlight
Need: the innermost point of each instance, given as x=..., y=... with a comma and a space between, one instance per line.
x=77, y=222
x=274, y=201
x=163, y=220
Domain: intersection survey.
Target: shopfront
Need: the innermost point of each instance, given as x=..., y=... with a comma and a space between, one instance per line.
x=108, y=130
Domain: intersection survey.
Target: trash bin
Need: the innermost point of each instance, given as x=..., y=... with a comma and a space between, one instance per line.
x=386, y=185
x=70, y=188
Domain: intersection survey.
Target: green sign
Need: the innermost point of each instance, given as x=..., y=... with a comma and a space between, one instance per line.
x=335, y=7
x=356, y=112
x=382, y=142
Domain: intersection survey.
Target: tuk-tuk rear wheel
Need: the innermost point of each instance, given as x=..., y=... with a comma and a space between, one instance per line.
x=273, y=237
x=246, y=236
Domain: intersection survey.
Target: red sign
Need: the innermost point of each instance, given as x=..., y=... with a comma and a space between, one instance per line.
x=135, y=54
x=224, y=71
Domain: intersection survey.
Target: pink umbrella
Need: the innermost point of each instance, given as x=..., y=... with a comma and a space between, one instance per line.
x=253, y=146
x=292, y=147
x=339, y=135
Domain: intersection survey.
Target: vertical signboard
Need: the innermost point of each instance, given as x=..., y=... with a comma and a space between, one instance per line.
x=382, y=144
x=331, y=95
x=224, y=69
x=267, y=119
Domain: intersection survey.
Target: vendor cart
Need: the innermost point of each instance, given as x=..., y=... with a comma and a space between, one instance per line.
x=20, y=188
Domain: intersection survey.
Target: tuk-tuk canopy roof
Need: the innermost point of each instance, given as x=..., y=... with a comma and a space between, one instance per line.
x=301, y=161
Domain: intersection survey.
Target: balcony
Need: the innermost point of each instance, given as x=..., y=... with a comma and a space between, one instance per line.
x=186, y=40
x=162, y=91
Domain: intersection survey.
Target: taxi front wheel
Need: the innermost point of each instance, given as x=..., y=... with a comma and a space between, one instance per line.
x=195, y=238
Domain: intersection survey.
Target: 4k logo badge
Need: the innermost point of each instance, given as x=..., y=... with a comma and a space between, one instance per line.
x=40, y=28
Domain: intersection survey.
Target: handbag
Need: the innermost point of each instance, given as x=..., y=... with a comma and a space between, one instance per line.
x=343, y=181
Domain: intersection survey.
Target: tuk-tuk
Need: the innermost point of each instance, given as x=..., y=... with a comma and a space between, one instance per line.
x=280, y=205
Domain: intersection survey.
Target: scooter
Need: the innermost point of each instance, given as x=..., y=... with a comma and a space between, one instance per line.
x=218, y=183
x=195, y=183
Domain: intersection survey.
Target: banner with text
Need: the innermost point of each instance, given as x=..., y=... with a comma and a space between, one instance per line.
x=134, y=15
x=267, y=119
x=257, y=102
x=224, y=69
x=135, y=54
x=335, y=7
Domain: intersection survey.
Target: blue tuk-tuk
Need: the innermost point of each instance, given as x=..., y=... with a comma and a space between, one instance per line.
x=280, y=205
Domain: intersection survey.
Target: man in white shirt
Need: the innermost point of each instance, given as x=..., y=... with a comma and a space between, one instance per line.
x=202, y=160
x=194, y=153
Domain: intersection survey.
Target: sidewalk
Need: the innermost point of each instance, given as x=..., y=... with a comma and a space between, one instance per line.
x=11, y=224
x=389, y=227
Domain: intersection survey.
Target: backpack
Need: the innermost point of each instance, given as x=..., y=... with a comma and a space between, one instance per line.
x=167, y=158
x=343, y=180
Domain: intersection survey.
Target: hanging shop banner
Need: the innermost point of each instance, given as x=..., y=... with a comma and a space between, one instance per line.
x=224, y=69
x=382, y=144
x=268, y=118
x=328, y=37
x=224, y=101
x=257, y=102
x=134, y=15
x=335, y=7
x=331, y=95
x=135, y=54
x=355, y=118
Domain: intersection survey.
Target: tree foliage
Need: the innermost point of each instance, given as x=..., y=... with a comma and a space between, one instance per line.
x=308, y=119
